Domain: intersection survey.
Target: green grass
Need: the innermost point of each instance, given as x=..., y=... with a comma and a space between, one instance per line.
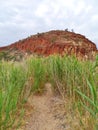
x=78, y=81
x=37, y=70
x=12, y=81
x=73, y=79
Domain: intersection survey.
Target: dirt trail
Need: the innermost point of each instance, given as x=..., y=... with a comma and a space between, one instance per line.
x=49, y=112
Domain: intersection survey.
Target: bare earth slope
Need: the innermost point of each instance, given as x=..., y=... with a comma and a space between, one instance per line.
x=48, y=114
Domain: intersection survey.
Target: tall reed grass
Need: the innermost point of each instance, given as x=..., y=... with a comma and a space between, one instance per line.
x=74, y=79
x=77, y=80
x=12, y=82
x=37, y=70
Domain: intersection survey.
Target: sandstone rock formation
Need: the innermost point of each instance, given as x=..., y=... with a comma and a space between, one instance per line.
x=56, y=42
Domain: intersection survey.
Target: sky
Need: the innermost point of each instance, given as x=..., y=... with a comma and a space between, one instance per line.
x=22, y=18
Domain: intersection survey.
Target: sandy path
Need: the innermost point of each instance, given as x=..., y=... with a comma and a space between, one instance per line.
x=48, y=114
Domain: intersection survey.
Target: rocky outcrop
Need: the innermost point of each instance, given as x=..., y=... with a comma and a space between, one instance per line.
x=56, y=42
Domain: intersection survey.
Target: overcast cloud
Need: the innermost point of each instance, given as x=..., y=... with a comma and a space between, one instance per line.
x=22, y=18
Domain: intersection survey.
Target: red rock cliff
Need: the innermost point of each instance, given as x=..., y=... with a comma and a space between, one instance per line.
x=54, y=42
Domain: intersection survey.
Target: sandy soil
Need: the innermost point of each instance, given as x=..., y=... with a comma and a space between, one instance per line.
x=48, y=112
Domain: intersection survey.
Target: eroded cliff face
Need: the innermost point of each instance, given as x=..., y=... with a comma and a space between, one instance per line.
x=56, y=42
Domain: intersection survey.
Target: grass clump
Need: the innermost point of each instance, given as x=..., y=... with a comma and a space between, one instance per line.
x=12, y=81
x=37, y=70
x=77, y=80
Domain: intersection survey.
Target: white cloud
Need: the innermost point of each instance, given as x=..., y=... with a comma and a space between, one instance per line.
x=26, y=17
x=95, y=18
